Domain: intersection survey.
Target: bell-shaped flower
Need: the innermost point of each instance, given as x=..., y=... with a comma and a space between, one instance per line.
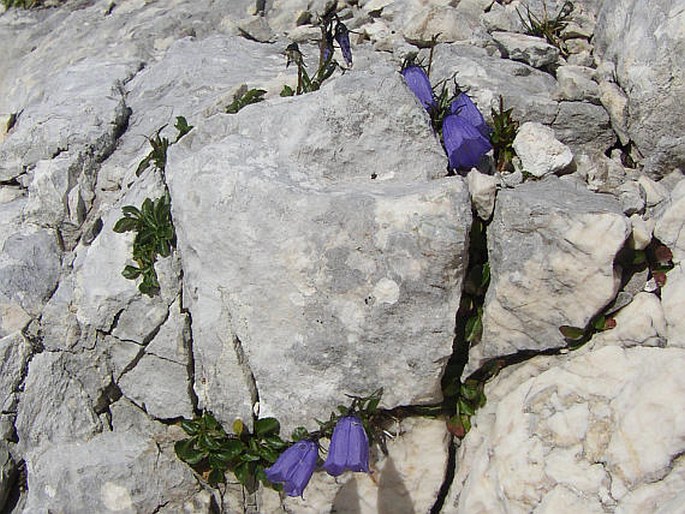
x=418, y=82
x=349, y=448
x=464, y=144
x=464, y=107
x=342, y=36
x=294, y=467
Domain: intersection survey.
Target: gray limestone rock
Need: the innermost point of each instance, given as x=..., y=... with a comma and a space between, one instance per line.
x=531, y=50
x=645, y=41
x=528, y=91
x=159, y=381
x=54, y=408
x=584, y=126
x=15, y=352
x=308, y=244
x=8, y=471
x=576, y=84
x=551, y=249
x=29, y=268
x=114, y=472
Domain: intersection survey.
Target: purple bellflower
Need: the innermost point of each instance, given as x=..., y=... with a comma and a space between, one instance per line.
x=342, y=36
x=418, y=82
x=294, y=467
x=464, y=144
x=464, y=107
x=349, y=447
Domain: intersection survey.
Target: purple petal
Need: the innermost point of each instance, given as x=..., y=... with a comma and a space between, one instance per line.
x=464, y=144
x=294, y=467
x=342, y=36
x=464, y=107
x=418, y=82
x=349, y=448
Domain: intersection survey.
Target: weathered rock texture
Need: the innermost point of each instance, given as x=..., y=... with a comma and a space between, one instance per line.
x=646, y=41
x=340, y=275
x=551, y=250
x=321, y=251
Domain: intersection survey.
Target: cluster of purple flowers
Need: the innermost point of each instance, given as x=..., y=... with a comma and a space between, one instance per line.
x=349, y=450
x=465, y=134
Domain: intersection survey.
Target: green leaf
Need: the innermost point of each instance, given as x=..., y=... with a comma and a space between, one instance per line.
x=238, y=427
x=187, y=452
x=143, y=165
x=216, y=476
x=268, y=454
x=287, y=91
x=126, y=224
x=267, y=426
x=130, y=210
x=572, y=333
x=131, y=272
x=189, y=427
x=242, y=473
x=231, y=449
x=182, y=127
x=465, y=408
x=274, y=442
x=300, y=433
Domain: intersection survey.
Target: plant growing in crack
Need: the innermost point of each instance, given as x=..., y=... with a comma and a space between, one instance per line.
x=549, y=28
x=263, y=457
x=245, y=97
x=656, y=259
x=155, y=236
x=160, y=145
x=504, y=129
x=332, y=30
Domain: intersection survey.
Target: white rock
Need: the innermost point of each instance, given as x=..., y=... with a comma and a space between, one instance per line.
x=529, y=49
x=615, y=102
x=641, y=323
x=642, y=232
x=669, y=226
x=15, y=352
x=540, y=152
x=584, y=422
x=483, y=189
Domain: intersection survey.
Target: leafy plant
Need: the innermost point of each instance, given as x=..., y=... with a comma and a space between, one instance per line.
x=24, y=4
x=160, y=145
x=210, y=451
x=245, y=97
x=471, y=397
x=549, y=28
x=305, y=82
x=504, y=129
x=155, y=236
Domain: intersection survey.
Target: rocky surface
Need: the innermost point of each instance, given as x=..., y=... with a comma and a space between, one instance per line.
x=642, y=40
x=322, y=251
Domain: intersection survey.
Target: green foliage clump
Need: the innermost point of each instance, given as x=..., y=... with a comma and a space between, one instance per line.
x=211, y=451
x=504, y=129
x=244, y=97
x=549, y=28
x=155, y=236
x=160, y=145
